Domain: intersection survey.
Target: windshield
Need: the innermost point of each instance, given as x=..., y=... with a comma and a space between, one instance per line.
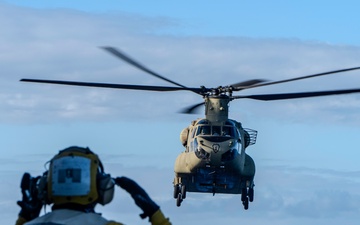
x=228, y=131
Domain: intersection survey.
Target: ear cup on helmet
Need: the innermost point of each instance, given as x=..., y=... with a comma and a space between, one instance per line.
x=105, y=187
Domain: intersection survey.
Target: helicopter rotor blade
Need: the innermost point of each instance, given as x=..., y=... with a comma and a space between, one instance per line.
x=191, y=109
x=132, y=62
x=116, y=86
x=303, y=77
x=283, y=96
x=246, y=84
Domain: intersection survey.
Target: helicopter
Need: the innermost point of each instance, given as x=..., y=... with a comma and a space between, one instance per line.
x=214, y=159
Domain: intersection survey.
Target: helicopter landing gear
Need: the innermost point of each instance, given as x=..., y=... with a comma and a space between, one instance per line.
x=183, y=191
x=251, y=194
x=176, y=191
x=247, y=195
x=246, y=203
x=179, y=193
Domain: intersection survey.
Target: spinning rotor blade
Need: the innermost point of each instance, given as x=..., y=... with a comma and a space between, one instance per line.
x=303, y=77
x=191, y=109
x=283, y=96
x=117, y=86
x=131, y=61
x=246, y=84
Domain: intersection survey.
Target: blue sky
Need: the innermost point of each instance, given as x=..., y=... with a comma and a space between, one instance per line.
x=307, y=150
x=307, y=20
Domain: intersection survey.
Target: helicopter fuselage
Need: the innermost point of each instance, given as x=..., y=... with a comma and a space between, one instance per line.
x=214, y=159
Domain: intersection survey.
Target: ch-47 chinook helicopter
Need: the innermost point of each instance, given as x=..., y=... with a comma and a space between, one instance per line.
x=214, y=159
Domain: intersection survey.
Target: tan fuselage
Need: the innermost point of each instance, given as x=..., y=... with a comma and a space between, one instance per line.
x=220, y=166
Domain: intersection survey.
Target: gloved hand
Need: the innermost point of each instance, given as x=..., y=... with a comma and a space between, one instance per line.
x=139, y=195
x=30, y=204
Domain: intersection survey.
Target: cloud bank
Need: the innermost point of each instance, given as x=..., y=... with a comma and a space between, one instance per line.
x=63, y=44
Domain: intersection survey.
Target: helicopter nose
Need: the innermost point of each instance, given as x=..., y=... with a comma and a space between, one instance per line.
x=216, y=151
x=212, y=151
x=215, y=148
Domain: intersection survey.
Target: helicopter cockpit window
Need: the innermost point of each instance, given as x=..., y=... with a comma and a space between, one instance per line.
x=216, y=130
x=228, y=131
x=203, y=122
x=204, y=130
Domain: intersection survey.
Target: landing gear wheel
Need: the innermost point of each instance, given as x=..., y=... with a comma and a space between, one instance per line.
x=243, y=194
x=183, y=191
x=179, y=200
x=179, y=193
x=176, y=191
x=251, y=194
x=246, y=203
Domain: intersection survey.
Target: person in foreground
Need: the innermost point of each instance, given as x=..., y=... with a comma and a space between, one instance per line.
x=74, y=184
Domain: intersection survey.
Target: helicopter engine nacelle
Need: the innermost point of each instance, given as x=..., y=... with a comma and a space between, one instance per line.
x=184, y=136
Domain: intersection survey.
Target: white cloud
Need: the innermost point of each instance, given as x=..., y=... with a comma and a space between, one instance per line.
x=64, y=46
